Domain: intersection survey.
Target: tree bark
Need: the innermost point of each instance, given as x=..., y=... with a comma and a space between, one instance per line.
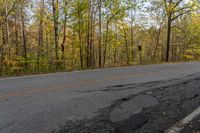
x=100, y=37
x=157, y=43
x=126, y=45
x=8, y=32
x=168, y=37
x=88, y=51
x=23, y=34
x=2, y=46
x=55, y=19
x=40, y=32
x=16, y=37
x=80, y=36
x=64, y=30
x=106, y=43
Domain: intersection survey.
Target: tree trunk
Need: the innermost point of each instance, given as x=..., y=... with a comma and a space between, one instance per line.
x=106, y=43
x=23, y=36
x=132, y=34
x=89, y=35
x=168, y=37
x=40, y=32
x=80, y=36
x=132, y=44
x=16, y=38
x=157, y=43
x=64, y=33
x=8, y=32
x=2, y=46
x=92, y=53
x=100, y=37
x=55, y=18
x=73, y=50
x=126, y=44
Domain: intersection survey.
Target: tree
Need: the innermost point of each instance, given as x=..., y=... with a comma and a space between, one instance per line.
x=174, y=9
x=65, y=3
x=40, y=30
x=23, y=32
x=61, y=35
x=56, y=23
x=100, y=32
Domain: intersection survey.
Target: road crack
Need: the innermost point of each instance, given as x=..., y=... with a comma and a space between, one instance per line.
x=175, y=99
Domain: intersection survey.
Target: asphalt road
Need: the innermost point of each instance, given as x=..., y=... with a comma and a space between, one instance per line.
x=61, y=102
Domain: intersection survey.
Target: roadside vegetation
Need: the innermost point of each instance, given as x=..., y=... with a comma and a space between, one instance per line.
x=41, y=36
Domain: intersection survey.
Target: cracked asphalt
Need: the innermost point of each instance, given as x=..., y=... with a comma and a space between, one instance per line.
x=143, y=99
x=152, y=111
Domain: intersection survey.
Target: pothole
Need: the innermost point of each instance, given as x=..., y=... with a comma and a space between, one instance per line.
x=132, y=107
x=133, y=123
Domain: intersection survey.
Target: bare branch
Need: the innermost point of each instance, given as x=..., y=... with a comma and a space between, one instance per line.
x=178, y=3
x=181, y=14
x=13, y=6
x=188, y=7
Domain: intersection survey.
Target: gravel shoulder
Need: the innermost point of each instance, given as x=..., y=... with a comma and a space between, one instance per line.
x=193, y=127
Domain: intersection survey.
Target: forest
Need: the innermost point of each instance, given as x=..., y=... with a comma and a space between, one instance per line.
x=42, y=36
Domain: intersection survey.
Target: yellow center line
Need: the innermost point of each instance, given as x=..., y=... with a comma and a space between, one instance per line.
x=39, y=90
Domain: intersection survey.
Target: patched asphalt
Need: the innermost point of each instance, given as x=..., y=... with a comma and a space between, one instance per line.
x=129, y=99
x=152, y=111
x=130, y=107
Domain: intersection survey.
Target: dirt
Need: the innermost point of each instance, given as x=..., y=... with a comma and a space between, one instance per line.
x=193, y=127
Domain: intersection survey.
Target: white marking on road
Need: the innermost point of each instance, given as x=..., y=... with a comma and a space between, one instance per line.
x=179, y=126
